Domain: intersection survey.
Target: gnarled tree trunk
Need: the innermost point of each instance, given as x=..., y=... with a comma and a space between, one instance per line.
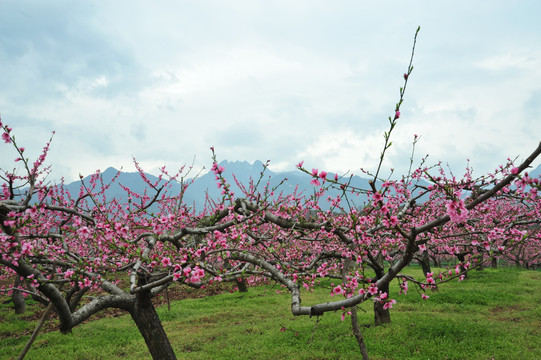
x=149, y=325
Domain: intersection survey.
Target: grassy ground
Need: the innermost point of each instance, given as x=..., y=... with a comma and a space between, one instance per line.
x=494, y=314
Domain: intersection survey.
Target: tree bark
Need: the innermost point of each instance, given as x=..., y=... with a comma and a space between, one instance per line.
x=241, y=284
x=381, y=315
x=149, y=325
x=36, y=332
x=425, y=263
x=17, y=297
x=358, y=334
x=463, y=270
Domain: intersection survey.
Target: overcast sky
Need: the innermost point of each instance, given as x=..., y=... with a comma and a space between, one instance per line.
x=163, y=81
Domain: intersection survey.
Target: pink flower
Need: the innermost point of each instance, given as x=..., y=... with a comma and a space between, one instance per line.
x=377, y=197
x=397, y=114
x=84, y=232
x=323, y=174
x=514, y=170
x=337, y=290
x=315, y=182
x=299, y=165
x=424, y=296
x=314, y=172
x=405, y=76
x=456, y=209
x=166, y=261
x=372, y=290
x=6, y=138
x=389, y=304
x=422, y=248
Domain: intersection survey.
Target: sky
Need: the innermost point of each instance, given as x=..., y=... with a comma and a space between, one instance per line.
x=285, y=81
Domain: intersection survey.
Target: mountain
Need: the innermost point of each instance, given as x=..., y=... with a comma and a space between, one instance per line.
x=535, y=172
x=206, y=185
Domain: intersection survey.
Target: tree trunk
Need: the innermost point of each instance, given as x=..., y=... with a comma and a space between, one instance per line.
x=494, y=263
x=425, y=263
x=241, y=284
x=381, y=315
x=462, y=258
x=149, y=325
x=358, y=334
x=17, y=297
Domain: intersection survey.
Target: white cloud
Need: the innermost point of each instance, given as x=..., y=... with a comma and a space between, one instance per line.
x=313, y=81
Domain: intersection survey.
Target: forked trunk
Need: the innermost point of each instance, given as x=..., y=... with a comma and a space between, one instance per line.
x=149, y=325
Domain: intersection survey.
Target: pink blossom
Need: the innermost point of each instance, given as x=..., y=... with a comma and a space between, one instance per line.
x=337, y=290
x=389, y=304
x=26, y=249
x=397, y=114
x=373, y=289
x=84, y=232
x=422, y=247
x=299, y=165
x=393, y=221
x=6, y=138
x=315, y=182
x=456, y=209
x=323, y=175
x=166, y=261
x=85, y=283
x=514, y=171
x=424, y=296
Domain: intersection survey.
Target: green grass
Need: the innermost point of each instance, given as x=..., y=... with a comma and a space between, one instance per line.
x=494, y=314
